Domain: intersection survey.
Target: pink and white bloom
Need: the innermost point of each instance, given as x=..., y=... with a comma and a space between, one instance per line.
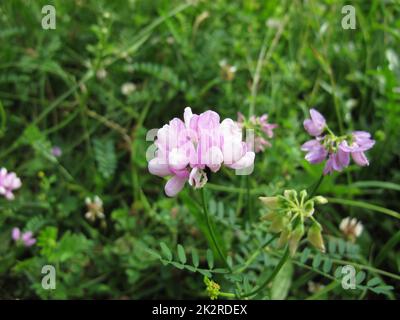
x=8, y=183
x=26, y=238
x=186, y=149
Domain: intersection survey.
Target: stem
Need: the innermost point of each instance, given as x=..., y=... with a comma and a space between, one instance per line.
x=249, y=209
x=210, y=229
x=271, y=277
x=314, y=190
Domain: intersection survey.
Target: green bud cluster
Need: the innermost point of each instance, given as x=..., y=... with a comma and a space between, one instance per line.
x=288, y=214
x=212, y=288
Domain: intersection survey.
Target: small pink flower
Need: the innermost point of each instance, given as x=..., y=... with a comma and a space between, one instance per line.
x=262, y=128
x=8, y=183
x=56, y=151
x=25, y=238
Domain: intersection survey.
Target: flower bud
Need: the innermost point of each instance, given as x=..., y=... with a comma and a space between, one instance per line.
x=314, y=236
x=284, y=237
x=303, y=195
x=320, y=200
x=269, y=202
x=308, y=209
x=290, y=195
x=270, y=216
x=278, y=224
x=295, y=238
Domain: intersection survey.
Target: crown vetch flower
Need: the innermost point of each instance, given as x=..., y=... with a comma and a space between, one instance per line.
x=185, y=149
x=8, y=183
x=336, y=149
x=26, y=238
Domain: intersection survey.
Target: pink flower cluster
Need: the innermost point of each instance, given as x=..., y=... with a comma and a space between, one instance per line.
x=26, y=237
x=337, y=149
x=263, y=129
x=185, y=149
x=8, y=183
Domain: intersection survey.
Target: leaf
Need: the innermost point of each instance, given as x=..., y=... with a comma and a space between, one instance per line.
x=181, y=254
x=382, y=289
x=105, y=156
x=165, y=250
x=373, y=282
x=327, y=265
x=316, y=261
x=305, y=254
x=282, y=282
x=195, y=257
x=210, y=258
x=360, y=277
x=365, y=205
x=178, y=265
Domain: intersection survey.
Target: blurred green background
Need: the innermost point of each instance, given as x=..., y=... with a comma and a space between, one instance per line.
x=112, y=70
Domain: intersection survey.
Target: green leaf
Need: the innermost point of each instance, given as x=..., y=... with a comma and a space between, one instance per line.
x=360, y=277
x=327, y=265
x=210, y=258
x=365, y=205
x=181, y=254
x=316, y=261
x=195, y=257
x=165, y=250
x=373, y=282
x=281, y=283
x=105, y=156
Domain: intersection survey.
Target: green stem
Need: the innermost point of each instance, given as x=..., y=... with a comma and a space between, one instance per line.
x=210, y=229
x=314, y=190
x=271, y=277
x=249, y=209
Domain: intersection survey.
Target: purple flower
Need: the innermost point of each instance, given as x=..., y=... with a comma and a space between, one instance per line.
x=337, y=161
x=337, y=149
x=56, y=151
x=26, y=238
x=360, y=141
x=316, y=125
x=316, y=153
x=8, y=183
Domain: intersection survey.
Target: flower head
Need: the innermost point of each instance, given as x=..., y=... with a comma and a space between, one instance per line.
x=8, y=183
x=335, y=149
x=227, y=71
x=56, y=151
x=95, y=209
x=186, y=149
x=26, y=238
x=351, y=228
x=288, y=213
x=262, y=128
x=212, y=288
